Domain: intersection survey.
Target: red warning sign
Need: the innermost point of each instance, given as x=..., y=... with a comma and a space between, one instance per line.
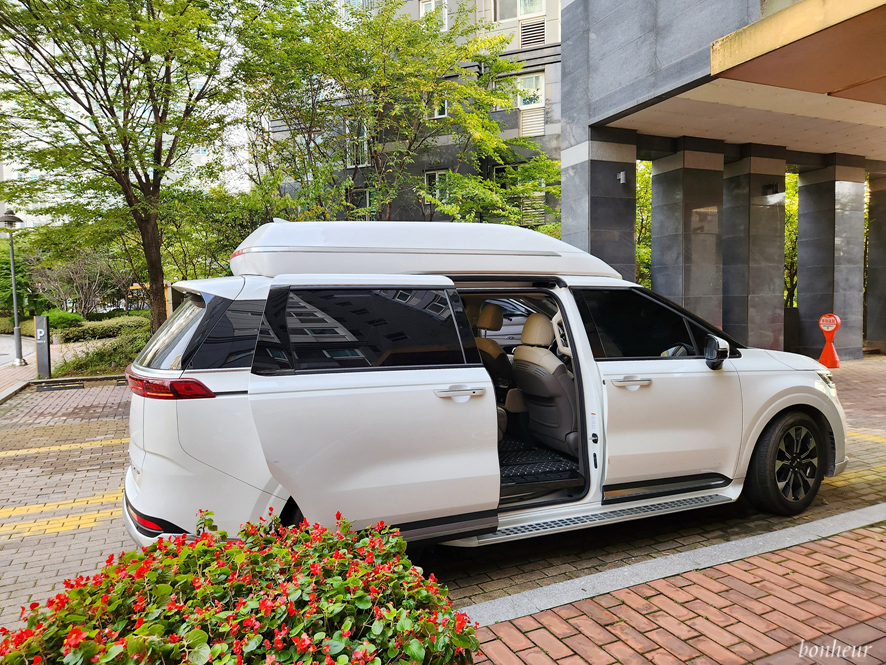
x=829, y=324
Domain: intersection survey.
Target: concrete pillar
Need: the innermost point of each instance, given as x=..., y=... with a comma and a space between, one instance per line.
x=830, y=254
x=687, y=198
x=608, y=165
x=875, y=293
x=752, y=232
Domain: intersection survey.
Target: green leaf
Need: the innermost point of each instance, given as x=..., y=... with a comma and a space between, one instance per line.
x=196, y=637
x=362, y=601
x=415, y=650
x=334, y=646
x=200, y=654
x=404, y=624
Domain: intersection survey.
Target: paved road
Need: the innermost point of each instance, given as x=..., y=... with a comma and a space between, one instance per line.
x=7, y=349
x=63, y=455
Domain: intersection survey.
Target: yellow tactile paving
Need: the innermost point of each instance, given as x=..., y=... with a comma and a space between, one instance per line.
x=106, y=497
x=66, y=446
x=867, y=437
x=59, y=524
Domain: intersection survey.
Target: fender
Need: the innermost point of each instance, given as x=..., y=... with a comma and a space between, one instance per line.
x=815, y=396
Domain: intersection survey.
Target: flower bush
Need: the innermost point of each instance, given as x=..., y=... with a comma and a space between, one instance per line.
x=277, y=595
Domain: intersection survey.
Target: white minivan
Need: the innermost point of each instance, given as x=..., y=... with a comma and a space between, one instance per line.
x=356, y=367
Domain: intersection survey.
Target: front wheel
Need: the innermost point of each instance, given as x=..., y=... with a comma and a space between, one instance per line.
x=787, y=466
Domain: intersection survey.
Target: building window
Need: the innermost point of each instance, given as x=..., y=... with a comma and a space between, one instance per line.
x=357, y=148
x=438, y=110
x=509, y=9
x=435, y=182
x=429, y=6
x=361, y=201
x=531, y=91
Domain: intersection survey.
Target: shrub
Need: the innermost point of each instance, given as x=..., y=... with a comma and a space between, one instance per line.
x=278, y=595
x=104, y=329
x=108, y=358
x=59, y=319
x=7, y=326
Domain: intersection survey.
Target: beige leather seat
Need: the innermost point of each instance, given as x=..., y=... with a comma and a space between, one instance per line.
x=547, y=386
x=493, y=356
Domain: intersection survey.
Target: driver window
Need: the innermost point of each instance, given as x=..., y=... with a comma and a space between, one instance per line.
x=622, y=323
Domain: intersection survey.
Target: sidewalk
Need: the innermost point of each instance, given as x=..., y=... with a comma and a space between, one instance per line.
x=13, y=376
x=822, y=602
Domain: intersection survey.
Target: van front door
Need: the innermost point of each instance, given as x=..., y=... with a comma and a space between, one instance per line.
x=369, y=398
x=672, y=424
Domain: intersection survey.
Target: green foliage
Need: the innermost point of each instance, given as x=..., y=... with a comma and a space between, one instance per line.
x=22, y=278
x=791, y=205
x=105, y=100
x=59, y=319
x=357, y=89
x=643, y=228
x=104, y=329
x=108, y=358
x=277, y=595
x=7, y=326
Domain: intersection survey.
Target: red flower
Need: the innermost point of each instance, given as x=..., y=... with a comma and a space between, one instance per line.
x=73, y=639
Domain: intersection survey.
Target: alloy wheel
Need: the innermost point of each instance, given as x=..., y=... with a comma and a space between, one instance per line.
x=796, y=463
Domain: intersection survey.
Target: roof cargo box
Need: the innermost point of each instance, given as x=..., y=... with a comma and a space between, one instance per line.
x=409, y=248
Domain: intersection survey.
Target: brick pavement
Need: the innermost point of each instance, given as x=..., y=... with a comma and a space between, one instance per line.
x=769, y=609
x=11, y=376
x=59, y=509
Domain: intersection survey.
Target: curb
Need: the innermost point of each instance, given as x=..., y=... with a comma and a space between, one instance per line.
x=9, y=393
x=47, y=384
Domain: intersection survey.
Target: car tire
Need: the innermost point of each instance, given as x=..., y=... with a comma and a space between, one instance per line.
x=787, y=465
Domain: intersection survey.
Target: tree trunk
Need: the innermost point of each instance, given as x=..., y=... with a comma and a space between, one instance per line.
x=150, y=234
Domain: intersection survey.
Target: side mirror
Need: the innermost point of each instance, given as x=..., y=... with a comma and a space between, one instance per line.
x=716, y=350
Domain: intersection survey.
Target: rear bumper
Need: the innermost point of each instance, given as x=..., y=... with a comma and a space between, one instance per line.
x=840, y=467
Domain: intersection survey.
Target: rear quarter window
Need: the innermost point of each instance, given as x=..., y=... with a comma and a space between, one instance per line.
x=167, y=347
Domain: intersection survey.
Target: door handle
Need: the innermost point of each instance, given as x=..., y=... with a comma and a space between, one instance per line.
x=631, y=381
x=459, y=391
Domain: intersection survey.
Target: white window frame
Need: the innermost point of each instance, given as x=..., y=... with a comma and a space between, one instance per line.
x=357, y=148
x=427, y=6
x=531, y=105
x=519, y=15
x=435, y=189
x=434, y=113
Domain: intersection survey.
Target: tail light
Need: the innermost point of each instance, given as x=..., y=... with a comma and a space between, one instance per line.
x=239, y=252
x=166, y=388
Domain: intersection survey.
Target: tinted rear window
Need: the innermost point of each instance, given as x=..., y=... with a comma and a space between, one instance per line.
x=169, y=343
x=325, y=329
x=231, y=342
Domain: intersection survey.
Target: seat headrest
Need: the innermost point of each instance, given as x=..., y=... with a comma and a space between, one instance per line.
x=491, y=317
x=472, y=309
x=537, y=331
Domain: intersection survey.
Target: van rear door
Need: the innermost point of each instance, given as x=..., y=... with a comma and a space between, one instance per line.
x=369, y=398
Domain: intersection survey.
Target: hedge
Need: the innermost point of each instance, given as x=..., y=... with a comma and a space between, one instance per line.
x=104, y=329
x=277, y=595
x=109, y=357
x=27, y=326
x=59, y=319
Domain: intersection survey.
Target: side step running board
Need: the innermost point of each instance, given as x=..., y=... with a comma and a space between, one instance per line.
x=602, y=516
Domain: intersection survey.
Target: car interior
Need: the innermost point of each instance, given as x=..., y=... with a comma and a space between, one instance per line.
x=539, y=450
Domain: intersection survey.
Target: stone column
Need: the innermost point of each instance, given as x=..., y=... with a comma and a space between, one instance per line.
x=875, y=293
x=609, y=166
x=830, y=254
x=752, y=232
x=687, y=198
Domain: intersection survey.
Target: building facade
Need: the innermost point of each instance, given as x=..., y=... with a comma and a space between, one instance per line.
x=724, y=97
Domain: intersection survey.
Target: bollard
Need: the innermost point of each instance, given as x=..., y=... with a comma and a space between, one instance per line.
x=829, y=324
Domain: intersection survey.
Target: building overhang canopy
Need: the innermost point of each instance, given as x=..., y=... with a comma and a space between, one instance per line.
x=811, y=77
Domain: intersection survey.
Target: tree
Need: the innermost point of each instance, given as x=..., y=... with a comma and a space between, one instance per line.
x=342, y=105
x=643, y=227
x=791, y=202
x=85, y=279
x=107, y=98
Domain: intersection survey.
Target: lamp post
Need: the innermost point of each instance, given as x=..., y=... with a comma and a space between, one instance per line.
x=10, y=221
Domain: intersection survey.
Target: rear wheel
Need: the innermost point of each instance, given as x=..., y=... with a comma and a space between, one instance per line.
x=787, y=466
